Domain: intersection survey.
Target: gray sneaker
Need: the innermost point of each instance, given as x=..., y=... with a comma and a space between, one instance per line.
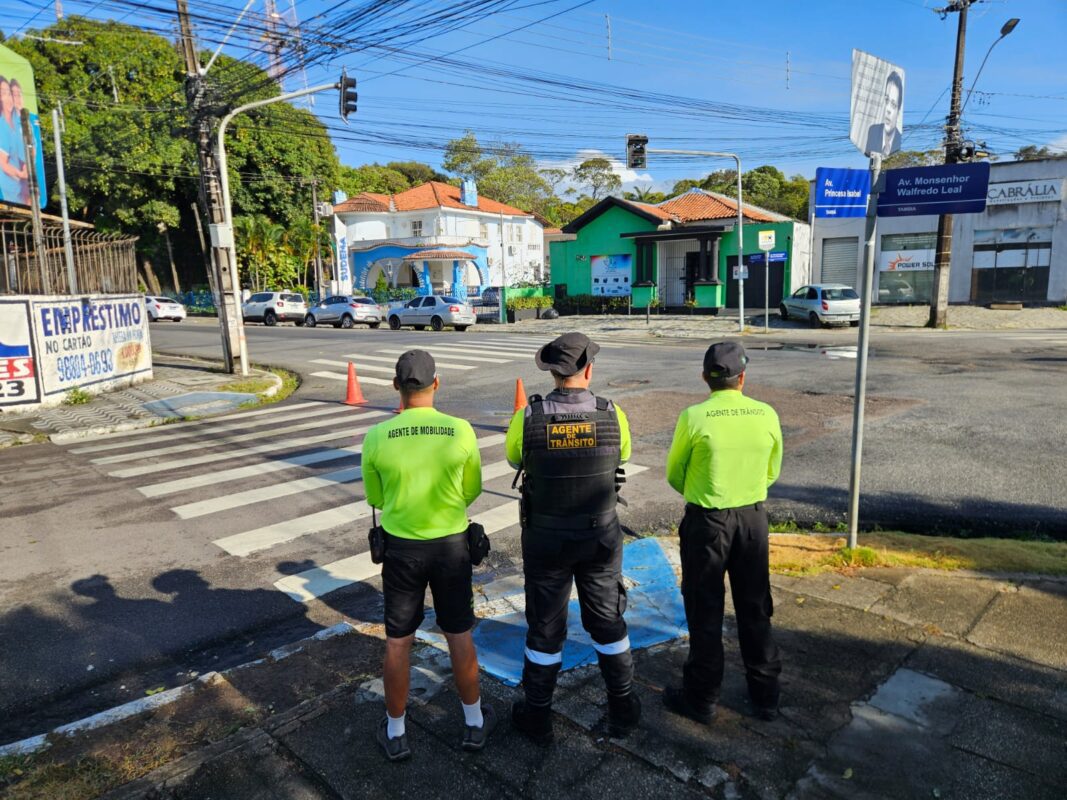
x=474, y=738
x=395, y=749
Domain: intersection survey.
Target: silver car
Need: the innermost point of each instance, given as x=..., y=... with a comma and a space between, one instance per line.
x=823, y=304
x=344, y=311
x=270, y=308
x=435, y=311
x=164, y=308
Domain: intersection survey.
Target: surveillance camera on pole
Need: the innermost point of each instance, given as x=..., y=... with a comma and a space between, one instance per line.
x=348, y=96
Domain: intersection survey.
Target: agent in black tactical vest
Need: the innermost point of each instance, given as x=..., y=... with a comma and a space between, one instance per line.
x=570, y=446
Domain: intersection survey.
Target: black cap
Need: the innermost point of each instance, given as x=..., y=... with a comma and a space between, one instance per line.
x=415, y=370
x=725, y=360
x=567, y=354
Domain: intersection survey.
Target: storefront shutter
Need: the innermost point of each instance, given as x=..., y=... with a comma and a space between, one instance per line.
x=840, y=260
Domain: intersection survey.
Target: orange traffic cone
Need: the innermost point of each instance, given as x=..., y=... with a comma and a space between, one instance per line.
x=354, y=396
x=520, y=395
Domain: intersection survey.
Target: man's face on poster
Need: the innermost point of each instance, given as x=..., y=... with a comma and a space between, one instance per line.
x=892, y=107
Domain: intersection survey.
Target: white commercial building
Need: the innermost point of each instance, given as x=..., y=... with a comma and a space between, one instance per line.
x=1016, y=250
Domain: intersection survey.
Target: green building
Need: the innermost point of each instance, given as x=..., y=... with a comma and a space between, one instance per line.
x=682, y=252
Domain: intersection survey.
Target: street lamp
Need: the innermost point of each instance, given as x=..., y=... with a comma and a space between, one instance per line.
x=1005, y=29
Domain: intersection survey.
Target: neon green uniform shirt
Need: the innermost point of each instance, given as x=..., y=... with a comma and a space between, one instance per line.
x=513, y=441
x=726, y=451
x=422, y=468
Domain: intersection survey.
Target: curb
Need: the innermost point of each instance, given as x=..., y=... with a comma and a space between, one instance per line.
x=35, y=744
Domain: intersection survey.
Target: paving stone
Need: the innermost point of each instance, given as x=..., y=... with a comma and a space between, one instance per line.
x=1028, y=623
x=858, y=593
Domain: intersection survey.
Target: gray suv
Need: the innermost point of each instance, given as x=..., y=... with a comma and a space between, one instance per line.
x=344, y=311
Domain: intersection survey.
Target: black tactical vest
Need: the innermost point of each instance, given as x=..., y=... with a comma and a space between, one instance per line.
x=570, y=461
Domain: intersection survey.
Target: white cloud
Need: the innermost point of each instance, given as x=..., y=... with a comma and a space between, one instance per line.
x=630, y=178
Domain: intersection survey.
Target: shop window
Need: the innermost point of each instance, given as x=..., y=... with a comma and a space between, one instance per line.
x=906, y=267
x=1011, y=265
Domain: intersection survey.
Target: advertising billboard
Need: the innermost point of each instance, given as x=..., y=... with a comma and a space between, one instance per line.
x=18, y=363
x=611, y=275
x=907, y=260
x=877, y=108
x=18, y=92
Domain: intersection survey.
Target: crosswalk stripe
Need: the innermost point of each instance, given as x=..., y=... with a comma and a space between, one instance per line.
x=225, y=442
x=242, y=544
x=440, y=364
x=199, y=424
x=492, y=347
x=318, y=581
x=272, y=447
x=164, y=433
x=337, y=376
x=273, y=492
x=250, y=471
x=359, y=367
x=449, y=353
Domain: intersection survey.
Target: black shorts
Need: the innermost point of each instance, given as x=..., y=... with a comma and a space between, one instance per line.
x=413, y=564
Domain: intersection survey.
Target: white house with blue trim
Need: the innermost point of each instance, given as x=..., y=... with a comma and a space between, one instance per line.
x=437, y=238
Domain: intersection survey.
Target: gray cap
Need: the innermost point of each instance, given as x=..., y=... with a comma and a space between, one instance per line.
x=415, y=370
x=725, y=360
x=567, y=354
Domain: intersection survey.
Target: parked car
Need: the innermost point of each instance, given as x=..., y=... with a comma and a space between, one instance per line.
x=270, y=308
x=894, y=289
x=435, y=311
x=491, y=296
x=164, y=308
x=344, y=311
x=823, y=304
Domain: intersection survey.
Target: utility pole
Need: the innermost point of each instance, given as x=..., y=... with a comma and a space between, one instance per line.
x=953, y=148
x=68, y=248
x=35, y=202
x=274, y=44
x=229, y=312
x=318, y=236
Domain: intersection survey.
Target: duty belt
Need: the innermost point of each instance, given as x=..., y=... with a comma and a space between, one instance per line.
x=575, y=523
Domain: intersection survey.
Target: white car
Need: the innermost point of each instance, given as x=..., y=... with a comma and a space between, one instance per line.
x=823, y=304
x=164, y=308
x=270, y=308
x=344, y=311
x=435, y=311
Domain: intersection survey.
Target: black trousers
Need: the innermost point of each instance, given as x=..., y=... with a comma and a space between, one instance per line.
x=713, y=543
x=553, y=562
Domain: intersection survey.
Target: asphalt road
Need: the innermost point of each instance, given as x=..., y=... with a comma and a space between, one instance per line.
x=128, y=568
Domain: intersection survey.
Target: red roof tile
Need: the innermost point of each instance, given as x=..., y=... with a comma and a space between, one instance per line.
x=443, y=195
x=697, y=204
x=365, y=201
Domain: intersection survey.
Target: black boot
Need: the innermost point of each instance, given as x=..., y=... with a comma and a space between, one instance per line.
x=534, y=722
x=623, y=714
x=679, y=701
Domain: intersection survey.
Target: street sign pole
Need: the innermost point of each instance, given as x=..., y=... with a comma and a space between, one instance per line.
x=866, y=285
x=766, y=291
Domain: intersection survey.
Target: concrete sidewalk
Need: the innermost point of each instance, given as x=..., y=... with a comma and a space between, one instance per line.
x=180, y=388
x=897, y=684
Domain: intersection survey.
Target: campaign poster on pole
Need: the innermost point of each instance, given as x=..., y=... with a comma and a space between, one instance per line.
x=18, y=92
x=877, y=108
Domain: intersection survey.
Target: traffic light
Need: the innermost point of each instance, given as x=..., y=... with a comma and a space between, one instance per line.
x=348, y=96
x=635, y=150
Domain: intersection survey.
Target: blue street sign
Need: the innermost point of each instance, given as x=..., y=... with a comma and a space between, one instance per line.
x=755, y=259
x=841, y=192
x=947, y=189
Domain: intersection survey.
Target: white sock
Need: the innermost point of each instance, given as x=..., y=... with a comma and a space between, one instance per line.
x=472, y=713
x=395, y=725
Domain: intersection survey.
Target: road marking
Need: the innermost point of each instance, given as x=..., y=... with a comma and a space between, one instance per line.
x=156, y=429
x=493, y=348
x=449, y=353
x=210, y=430
x=273, y=447
x=359, y=367
x=273, y=492
x=251, y=471
x=337, y=376
x=242, y=544
x=226, y=441
x=318, y=581
x=440, y=364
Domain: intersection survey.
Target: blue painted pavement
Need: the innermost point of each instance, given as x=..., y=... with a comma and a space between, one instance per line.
x=198, y=403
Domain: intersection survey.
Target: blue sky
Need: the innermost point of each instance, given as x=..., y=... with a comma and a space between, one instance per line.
x=731, y=58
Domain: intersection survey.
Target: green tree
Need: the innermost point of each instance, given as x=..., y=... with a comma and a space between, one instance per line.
x=371, y=178
x=914, y=158
x=598, y=176
x=416, y=172
x=503, y=172
x=645, y=194
x=464, y=157
x=1032, y=152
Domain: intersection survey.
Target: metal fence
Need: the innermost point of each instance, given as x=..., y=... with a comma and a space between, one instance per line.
x=104, y=263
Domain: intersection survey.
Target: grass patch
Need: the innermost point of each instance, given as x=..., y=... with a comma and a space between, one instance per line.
x=247, y=386
x=290, y=383
x=808, y=555
x=1062, y=308
x=77, y=397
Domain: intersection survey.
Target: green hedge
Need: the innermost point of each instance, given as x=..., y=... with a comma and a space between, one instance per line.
x=514, y=303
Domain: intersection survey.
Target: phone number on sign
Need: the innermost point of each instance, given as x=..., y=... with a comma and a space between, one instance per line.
x=85, y=365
